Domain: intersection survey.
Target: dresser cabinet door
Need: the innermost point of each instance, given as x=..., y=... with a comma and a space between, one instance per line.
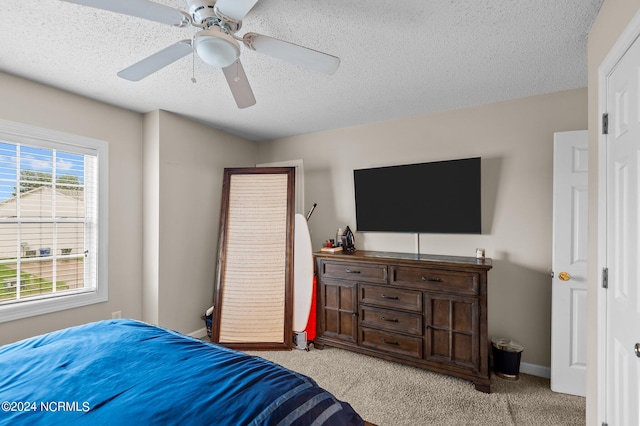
x=339, y=317
x=452, y=333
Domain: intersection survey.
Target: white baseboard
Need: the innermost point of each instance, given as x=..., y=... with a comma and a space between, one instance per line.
x=535, y=370
x=199, y=334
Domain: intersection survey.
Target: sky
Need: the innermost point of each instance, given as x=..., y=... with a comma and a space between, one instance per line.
x=37, y=160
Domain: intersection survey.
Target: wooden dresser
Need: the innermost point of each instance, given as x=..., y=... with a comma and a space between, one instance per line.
x=428, y=311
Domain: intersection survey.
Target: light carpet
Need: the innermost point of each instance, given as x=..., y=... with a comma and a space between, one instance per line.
x=388, y=393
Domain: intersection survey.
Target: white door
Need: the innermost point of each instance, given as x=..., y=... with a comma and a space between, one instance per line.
x=569, y=263
x=622, y=234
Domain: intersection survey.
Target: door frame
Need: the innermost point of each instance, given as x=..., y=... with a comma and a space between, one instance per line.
x=620, y=47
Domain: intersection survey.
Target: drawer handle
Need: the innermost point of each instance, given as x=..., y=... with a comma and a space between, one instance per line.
x=436, y=280
x=352, y=271
x=383, y=340
x=384, y=296
x=389, y=319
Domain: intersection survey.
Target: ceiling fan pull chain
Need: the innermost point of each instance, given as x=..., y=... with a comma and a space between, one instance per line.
x=193, y=66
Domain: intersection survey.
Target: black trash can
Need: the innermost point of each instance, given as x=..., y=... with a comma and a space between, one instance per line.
x=506, y=358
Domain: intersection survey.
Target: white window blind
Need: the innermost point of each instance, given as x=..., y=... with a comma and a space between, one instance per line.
x=50, y=187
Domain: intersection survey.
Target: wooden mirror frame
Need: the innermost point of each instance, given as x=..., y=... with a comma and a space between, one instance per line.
x=230, y=252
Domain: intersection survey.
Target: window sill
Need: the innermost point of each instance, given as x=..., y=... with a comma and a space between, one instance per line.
x=33, y=308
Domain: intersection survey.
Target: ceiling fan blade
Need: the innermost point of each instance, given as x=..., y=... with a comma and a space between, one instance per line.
x=157, y=61
x=140, y=8
x=292, y=53
x=239, y=84
x=235, y=9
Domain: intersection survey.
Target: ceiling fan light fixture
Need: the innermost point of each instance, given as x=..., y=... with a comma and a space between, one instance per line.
x=216, y=48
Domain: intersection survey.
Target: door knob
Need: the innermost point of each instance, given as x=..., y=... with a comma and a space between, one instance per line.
x=564, y=276
x=637, y=350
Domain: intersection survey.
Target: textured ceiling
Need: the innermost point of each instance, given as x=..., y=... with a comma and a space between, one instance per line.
x=398, y=58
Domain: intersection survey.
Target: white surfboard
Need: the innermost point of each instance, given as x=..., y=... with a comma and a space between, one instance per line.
x=302, y=274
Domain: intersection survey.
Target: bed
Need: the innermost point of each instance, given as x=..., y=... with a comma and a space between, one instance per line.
x=129, y=372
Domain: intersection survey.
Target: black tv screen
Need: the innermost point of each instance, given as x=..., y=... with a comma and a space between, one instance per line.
x=440, y=197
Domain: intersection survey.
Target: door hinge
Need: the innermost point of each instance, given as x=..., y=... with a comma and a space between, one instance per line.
x=605, y=123
x=605, y=277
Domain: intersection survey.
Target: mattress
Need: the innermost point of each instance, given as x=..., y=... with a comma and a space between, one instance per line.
x=126, y=371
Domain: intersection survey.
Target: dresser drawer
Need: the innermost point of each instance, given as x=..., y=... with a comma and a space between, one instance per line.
x=365, y=272
x=403, y=322
x=390, y=297
x=435, y=279
x=391, y=343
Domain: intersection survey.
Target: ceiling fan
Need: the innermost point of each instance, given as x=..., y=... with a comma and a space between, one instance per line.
x=216, y=43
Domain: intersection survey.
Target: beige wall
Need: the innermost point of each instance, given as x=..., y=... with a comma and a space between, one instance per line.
x=162, y=237
x=191, y=160
x=33, y=104
x=515, y=141
x=614, y=16
x=183, y=160
x=151, y=215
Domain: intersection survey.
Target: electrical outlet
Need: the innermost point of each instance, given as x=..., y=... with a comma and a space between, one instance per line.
x=116, y=314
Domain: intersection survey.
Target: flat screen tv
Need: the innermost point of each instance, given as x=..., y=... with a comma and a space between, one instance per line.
x=441, y=197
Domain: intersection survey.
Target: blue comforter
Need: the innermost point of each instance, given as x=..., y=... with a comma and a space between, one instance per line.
x=127, y=372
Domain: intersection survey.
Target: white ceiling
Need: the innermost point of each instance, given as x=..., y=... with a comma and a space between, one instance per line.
x=398, y=58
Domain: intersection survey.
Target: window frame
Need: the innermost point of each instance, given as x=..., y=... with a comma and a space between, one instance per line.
x=30, y=135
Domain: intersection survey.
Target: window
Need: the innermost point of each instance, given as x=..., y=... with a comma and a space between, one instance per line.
x=53, y=233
